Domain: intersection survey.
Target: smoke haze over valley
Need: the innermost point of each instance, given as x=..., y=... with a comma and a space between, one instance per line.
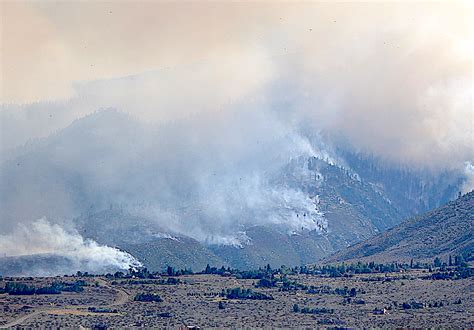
x=249, y=134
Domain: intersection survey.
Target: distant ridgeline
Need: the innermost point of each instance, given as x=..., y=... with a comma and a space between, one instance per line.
x=355, y=207
x=444, y=232
x=313, y=204
x=412, y=191
x=444, y=235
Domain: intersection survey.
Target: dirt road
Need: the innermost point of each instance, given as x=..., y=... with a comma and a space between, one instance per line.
x=121, y=298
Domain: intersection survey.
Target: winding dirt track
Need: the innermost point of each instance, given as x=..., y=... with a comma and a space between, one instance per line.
x=121, y=298
x=21, y=319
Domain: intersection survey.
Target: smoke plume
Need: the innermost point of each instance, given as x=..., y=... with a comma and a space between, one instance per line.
x=42, y=237
x=214, y=101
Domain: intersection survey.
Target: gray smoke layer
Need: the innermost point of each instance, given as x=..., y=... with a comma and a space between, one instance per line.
x=208, y=177
x=41, y=237
x=201, y=148
x=394, y=79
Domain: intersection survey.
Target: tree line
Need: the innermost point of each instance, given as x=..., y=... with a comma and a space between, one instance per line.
x=20, y=288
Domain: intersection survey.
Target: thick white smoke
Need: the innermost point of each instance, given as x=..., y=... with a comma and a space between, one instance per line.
x=391, y=79
x=469, y=174
x=43, y=237
x=394, y=79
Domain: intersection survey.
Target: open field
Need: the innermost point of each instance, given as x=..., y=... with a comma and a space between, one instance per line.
x=195, y=301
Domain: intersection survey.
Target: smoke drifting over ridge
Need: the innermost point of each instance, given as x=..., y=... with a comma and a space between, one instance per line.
x=42, y=237
x=229, y=95
x=381, y=75
x=197, y=177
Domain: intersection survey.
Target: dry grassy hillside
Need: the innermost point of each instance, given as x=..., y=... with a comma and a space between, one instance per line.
x=445, y=231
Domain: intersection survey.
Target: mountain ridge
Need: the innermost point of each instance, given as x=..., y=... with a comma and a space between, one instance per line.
x=447, y=230
x=103, y=171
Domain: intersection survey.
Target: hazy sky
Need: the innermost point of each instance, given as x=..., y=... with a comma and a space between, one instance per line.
x=385, y=74
x=47, y=45
x=229, y=93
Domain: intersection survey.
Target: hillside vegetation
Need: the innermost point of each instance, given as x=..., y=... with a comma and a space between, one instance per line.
x=445, y=231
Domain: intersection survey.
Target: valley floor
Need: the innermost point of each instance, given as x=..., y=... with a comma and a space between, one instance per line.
x=390, y=300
